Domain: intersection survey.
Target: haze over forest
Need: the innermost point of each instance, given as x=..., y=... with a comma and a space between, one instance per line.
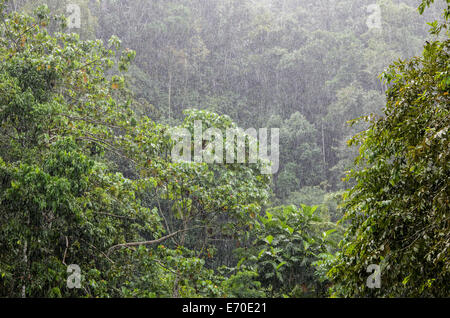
x=358, y=91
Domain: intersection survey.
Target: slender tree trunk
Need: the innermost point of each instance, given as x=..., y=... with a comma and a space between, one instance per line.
x=25, y=260
x=175, y=293
x=170, y=92
x=323, y=146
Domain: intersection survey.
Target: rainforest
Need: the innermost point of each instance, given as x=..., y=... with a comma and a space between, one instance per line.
x=224, y=149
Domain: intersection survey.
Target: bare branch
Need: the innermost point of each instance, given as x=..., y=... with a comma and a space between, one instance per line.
x=162, y=239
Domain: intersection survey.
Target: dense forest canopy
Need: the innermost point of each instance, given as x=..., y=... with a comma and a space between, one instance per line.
x=93, y=202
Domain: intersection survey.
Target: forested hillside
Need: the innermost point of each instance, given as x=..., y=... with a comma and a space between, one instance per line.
x=94, y=95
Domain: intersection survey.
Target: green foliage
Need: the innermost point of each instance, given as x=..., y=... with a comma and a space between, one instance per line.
x=87, y=178
x=287, y=242
x=399, y=205
x=82, y=177
x=243, y=284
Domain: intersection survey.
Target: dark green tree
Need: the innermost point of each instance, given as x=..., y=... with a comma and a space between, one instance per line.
x=399, y=207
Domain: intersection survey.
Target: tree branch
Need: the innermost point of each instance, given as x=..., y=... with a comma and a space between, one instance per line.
x=150, y=242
